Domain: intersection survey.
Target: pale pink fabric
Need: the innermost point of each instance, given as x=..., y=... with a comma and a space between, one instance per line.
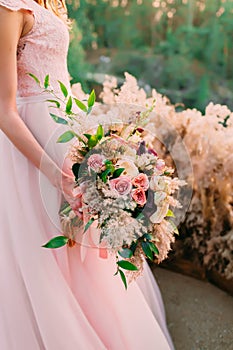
x=44, y=47
x=55, y=300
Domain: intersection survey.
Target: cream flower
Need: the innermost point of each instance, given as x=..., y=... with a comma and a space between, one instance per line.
x=160, y=213
x=159, y=198
x=130, y=152
x=130, y=168
x=158, y=183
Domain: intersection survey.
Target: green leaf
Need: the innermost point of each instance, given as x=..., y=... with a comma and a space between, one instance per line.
x=63, y=89
x=83, y=152
x=80, y=105
x=88, y=136
x=100, y=132
x=90, y=222
x=125, y=253
x=75, y=169
x=66, y=209
x=134, y=246
x=91, y=99
x=147, y=236
x=107, y=162
x=80, y=139
x=56, y=242
x=140, y=216
x=66, y=137
x=89, y=110
x=46, y=82
x=92, y=142
x=147, y=250
x=118, y=172
x=110, y=166
x=175, y=229
x=154, y=248
x=69, y=105
x=126, y=265
x=123, y=278
x=58, y=120
x=34, y=77
x=105, y=174
x=56, y=103
x=170, y=213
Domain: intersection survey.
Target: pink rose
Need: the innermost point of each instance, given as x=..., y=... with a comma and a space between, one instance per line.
x=95, y=162
x=138, y=194
x=141, y=181
x=122, y=185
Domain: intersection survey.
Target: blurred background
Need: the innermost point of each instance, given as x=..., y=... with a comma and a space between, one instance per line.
x=183, y=48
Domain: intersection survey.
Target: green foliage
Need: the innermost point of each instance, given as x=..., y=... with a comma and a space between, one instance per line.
x=126, y=265
x=66, y=137
x=91, y=101
x=63, y=89
x=58, y=120
x=77, y=63
x=123, y=278
x=46, y=81
x=184, y=50
x=56, y=242
x=88, y=224
x=126, y=253
x=80, y=105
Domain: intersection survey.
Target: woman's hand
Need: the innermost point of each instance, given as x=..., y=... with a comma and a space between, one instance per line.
x=61, y=179
x=72, y=192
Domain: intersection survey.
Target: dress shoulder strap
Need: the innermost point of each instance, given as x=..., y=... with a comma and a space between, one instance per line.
x=16, y=5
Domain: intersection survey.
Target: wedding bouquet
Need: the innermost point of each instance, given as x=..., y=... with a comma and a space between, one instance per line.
x=124, y=189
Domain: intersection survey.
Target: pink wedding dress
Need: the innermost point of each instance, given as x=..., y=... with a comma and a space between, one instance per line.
x=56, y=300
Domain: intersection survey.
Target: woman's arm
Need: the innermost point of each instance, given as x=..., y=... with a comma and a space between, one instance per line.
x=11, y=27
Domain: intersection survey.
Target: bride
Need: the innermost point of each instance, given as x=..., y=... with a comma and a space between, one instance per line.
x=53, y=300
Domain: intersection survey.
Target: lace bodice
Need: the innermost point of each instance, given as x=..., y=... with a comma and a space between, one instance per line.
x=43, y=50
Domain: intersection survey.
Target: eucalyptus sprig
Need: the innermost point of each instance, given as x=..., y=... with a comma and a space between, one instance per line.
x=65, y=105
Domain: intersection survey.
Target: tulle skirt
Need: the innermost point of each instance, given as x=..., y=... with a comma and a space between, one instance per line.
x=56, y=300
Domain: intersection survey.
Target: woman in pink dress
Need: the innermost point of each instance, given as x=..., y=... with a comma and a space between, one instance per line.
x=53, y=300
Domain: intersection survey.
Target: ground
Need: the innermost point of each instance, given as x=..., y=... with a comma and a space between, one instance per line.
x=199, y=315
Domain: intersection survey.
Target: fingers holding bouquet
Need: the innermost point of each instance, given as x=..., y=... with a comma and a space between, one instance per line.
x=71, y=191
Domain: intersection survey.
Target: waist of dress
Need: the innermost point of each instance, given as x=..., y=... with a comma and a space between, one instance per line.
x=21, y=100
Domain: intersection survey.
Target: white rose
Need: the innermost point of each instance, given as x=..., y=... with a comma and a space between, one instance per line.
x=130, y=168
x=159, y=198
x=160, y=213
x=130, y=152
x=158, y=183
